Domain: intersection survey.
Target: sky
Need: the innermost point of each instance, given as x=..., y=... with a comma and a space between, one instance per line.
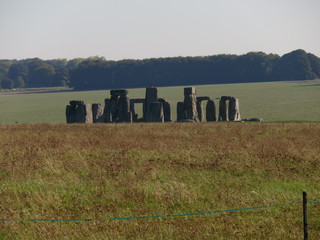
x=138, y=29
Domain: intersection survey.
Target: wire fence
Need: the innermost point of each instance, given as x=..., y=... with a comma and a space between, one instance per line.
x=160, y=216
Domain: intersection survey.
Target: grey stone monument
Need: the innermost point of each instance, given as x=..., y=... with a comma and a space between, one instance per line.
x=78, y=112
x=211, y=111
x=190, y=104
x=180, y=112
x=117, y=108
x=234, y=111
x=200, y=110
x=224, y=108
x=97, y=113
x=151, y=97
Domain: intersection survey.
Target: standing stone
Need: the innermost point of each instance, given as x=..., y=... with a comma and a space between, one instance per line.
x=84, y=113
x=129, y=117
x=76, y=102
x=151, y=97
x=167, y=111
x=190, y=105
x=119, y=92
x=88, y=113
x=97, y=113
x=181, y=114
x=234, y=112
x=238, y=116
x=117, y=108
x=200, y=110
x=133, y=111
x=109, y=110
x=156, y=112
x=71, y=113
x=210, y=111
x=115, y=102
x=78, y=112
x=124, y=109
x=224, y=109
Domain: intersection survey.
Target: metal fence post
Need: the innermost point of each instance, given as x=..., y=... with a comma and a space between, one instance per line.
x=305, y=216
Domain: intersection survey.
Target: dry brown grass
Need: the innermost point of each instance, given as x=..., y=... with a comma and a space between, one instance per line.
x=127, y=170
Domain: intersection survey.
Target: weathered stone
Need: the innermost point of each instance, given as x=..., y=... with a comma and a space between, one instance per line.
x=97, y=113
x=83, y=113
x=223, y=110
x=151, y=97
x=115, y=112
x=156, y=112
x=238, y=116
x=252, y=120
x=161, y=100
x=181, y=114
x=133, y=111
x=122, y=92
x=88, y=113
x=129, y=117
x=76, y=102
x=234, y=111
x=190, y=105
x=109, y=110
x=203, y=99
x=80, y=113
x=119, y=108
x=137, y=100
x=211, y=111
x=124, y=109
x=189, y=90
x=225, y=98
x=166, y=111
x=200, y=111
x=71, y=113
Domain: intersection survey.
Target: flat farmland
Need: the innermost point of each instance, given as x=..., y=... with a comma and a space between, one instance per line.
x=272, y=101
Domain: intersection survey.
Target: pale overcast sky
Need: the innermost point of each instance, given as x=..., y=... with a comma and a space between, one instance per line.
x=137, y=29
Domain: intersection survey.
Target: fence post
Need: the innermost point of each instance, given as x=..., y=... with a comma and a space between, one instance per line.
x=305, y=216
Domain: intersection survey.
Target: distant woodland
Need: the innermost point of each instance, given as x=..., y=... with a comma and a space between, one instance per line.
x=99, y=73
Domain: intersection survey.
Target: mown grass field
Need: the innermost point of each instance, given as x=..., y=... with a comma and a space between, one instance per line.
x=129, y=170
x=272, y=101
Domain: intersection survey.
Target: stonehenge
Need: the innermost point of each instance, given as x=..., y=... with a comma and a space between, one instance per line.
x=211, y=111
x=119, y=108
x=191, y=110
x=155, y=109
x=97, y=113
x=229, y=109
x=78, y=112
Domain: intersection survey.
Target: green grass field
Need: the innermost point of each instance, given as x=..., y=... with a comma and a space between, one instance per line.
x=272, y=101
x=149, y=169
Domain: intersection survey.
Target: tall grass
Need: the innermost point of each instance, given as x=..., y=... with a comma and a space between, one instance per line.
x=128, y=170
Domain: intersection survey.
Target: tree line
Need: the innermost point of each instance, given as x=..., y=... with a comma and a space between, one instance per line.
x=99, y=73
x=35, y=72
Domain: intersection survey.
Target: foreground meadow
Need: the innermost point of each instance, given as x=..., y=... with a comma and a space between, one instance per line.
x=132, y=170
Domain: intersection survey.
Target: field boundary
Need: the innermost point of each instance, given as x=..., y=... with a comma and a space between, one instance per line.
x=161, y=216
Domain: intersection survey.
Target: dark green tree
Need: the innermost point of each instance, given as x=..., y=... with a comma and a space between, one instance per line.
x=41, y=74
x=19, y=74
x=315, y=64
x=61, y=78
x=19, y=82
x=7, y=83
x=295, y=66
